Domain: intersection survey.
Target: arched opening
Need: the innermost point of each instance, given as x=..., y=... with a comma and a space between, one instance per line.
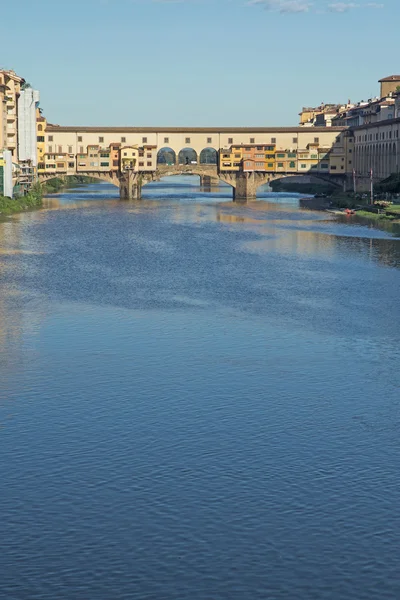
x=208, y=156
x=187, y=156
x=40, y=127
x=166, y=156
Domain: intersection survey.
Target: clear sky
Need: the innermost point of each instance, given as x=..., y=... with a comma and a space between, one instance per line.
x=197, y=62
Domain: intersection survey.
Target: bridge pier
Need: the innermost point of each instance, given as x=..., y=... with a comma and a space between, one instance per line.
x=130, y=186
x=246, y=187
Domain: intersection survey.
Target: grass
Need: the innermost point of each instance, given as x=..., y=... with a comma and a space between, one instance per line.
x=375, y=216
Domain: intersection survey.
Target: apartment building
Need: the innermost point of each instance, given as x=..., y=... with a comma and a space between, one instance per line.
x=10, y=89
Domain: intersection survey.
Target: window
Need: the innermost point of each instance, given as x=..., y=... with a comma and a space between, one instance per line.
x=166, y=140
x=149, y=155
x=101, y=140
x=50, y=138
x=248, y=163
x=80, y=149
x=273, y=140
x=141, y=154
x=294, y=140
x=350, y=151
x=292, y=165
x=40, y=138
x=149, y=163
x=259, y=147
x=115, y=163
x=187, y=140
x=104, y=164
x=40, y=127
x=270, y=165
x=324, y=166
x=230, y=140
x=123, y=140
x=94, y=164
x=280, y=156
x=314, y=155
x=209, y=140
x=79, y=138
x=71, y=165
x=69, y=149
x=141, y=164
x=303, y=166
x=333, y=167
x=316, y=140
x=60, y=165
x=104, y=155
x=60, y=149
x=82, y=156
x=259, y=155
x=252, y=140
x=144, y=140
x=280, y=165
x=50, y=149
x=259, y=164
x=125, y=154
x=237, y=156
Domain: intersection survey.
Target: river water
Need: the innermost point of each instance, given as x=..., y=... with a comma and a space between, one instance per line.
x=199, y=400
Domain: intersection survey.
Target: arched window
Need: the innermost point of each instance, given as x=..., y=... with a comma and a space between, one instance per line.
x=166, y=156
x=187, y=156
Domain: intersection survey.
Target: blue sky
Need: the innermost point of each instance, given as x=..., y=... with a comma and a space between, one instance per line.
x=198, y=62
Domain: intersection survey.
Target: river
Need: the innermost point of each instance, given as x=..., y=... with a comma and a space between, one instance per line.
x=199, y=400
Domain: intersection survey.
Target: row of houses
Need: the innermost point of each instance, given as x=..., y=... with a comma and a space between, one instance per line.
x=336, y=159
x=384, y=107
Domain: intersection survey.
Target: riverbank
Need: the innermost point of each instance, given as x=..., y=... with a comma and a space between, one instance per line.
x=341, y=202
x=9, y=206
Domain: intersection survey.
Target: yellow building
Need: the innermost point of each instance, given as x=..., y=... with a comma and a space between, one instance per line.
x=40, y=144
x=130, y=158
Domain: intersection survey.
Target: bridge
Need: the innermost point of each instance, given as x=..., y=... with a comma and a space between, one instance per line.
x=244, y=158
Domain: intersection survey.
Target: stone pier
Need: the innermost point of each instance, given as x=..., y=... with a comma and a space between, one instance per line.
x=130, y=187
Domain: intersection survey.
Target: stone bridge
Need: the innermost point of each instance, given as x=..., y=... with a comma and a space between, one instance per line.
x=244, y=184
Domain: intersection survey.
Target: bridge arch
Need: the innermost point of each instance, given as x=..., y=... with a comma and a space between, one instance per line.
x=166, y=156
x=187, y=156
x=107, y=177
x=208, y=156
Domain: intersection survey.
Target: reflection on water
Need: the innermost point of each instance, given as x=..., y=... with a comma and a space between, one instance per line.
x=198, y=399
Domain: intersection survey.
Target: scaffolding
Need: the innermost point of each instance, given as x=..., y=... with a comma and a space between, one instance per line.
x=26, y=176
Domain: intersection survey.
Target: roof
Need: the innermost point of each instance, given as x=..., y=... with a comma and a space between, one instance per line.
x=221, y=130
x=390, y=78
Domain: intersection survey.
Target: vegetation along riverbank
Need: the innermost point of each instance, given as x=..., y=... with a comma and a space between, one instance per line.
x=34, y=198
x=30, y=201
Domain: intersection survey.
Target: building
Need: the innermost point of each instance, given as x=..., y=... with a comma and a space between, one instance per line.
x=130, y=158
x=10, y=88
x=320, y=116
x=28, y=105
x=389, y=84
x=40, y=141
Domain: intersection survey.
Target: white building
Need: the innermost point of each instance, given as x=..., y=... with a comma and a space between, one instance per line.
x=27, y=144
